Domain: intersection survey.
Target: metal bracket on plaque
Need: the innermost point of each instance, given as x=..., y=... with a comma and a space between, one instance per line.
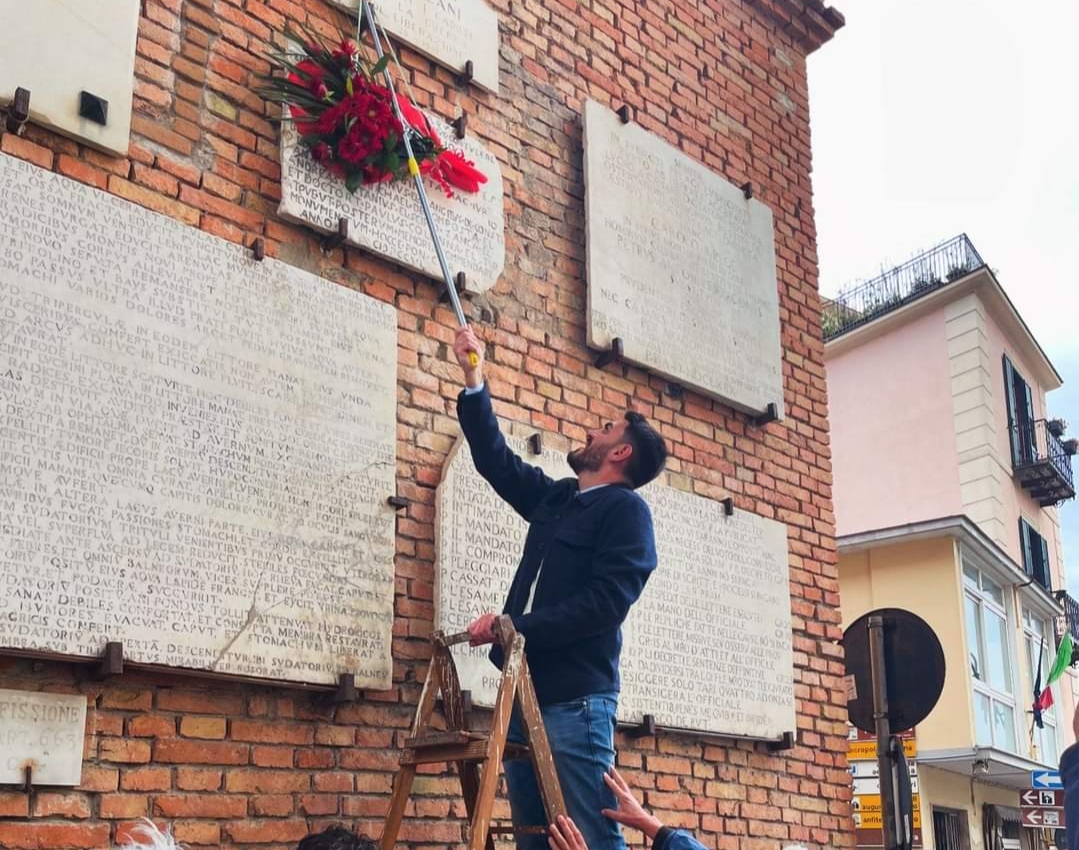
x=466, y=74
x=728, y=506
x=337, y=239
x=112, y=661
x=28, y=780
x=747, y=190
x=398, y=503
x=645, y=729
x=624, y=113
x=675, y=390
x=258, y=250
x=771, y=414
x=346, y=689
x=93, y=108
x=615, y=352
x=460, y=125
x=460, y=280
x=535, y=443
x=18, y=111
x=786, y=742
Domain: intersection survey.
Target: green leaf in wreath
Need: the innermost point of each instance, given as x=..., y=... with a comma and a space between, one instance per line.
x=354, y=181
x=380, y=65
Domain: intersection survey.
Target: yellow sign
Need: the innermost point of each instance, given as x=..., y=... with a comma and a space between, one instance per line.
x=867, y=812
x=860, y=750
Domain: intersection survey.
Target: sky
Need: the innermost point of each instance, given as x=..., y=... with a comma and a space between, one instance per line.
x=932, y=118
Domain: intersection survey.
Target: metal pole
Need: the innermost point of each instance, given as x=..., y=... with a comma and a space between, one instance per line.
x=889, y=805
x=369, y=14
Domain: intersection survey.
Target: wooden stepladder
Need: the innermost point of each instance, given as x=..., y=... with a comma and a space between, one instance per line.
x=478, y=755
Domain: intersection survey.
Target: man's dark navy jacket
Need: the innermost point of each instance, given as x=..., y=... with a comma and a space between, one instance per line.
x=1069, y=774
x=596, y=551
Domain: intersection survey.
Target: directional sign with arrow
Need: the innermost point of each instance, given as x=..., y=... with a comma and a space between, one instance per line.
x=1042, y=799
x=1046, y=779
x=1043, y=818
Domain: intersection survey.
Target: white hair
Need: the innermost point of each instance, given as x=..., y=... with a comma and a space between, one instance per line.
x=153, y=838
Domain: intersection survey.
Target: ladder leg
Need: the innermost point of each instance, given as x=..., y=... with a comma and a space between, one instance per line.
x=470, y=786
x=402, y=787
x=500, y=722
x=539, y=748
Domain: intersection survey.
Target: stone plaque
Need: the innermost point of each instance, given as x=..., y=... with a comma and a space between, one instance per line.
x=707, y=647
x=681, y=266
x=58, y=49
x=195, y=447
x=452, y=32
x=44, y=732
x=386, y=219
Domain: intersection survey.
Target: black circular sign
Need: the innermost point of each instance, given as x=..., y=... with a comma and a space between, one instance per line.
x=914, y=664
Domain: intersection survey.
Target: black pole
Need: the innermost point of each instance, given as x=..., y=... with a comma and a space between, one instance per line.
x=878, y=672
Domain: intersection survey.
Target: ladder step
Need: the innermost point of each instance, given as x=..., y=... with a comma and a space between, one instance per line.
x=472, y=751
x=510, y=829
x=443, y=739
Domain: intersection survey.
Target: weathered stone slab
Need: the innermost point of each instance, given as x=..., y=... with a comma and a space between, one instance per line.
x=451, y=32
x=681, y=266
x=195, y=447
x=387, y=219
x=44, y=732
x=57, y=49
x=708, y=646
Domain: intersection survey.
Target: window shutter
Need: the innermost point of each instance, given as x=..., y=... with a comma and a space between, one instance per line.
x=1046, y=574
x=1025, y=548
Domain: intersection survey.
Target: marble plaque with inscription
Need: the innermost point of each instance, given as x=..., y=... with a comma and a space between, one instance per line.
x=195, y=447
x=387, y=220
x=58, y=50
x=681, y=267
x=708, y=647
x=44, y=732
x=452, y=32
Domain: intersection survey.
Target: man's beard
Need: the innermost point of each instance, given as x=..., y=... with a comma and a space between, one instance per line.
x=586, y=459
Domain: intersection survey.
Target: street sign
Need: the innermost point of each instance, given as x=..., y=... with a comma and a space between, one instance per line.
x=1046, y=779
x=860, y=769
x=867, y=812
x=1042, y=799
x=871, y=784
x=868, y=749
x=1043, y=818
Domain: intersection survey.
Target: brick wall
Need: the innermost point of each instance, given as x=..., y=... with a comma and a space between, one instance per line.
x=231, y=764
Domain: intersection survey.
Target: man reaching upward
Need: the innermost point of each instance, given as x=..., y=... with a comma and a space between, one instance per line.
x=589, y=551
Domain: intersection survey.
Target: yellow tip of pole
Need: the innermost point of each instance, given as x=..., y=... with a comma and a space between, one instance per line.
x=413, y=168
x=473, y=359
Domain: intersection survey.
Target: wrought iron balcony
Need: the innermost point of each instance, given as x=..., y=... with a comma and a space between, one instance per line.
x=1042, y=462
x=930, y=271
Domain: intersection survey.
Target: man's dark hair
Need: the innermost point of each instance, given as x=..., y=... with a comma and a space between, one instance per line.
x=649, y=450
x=336, y=838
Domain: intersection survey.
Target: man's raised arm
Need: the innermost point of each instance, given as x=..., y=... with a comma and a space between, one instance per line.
x=522, y=485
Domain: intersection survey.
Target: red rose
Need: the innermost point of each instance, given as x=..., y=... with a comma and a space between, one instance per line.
x=321, y=152
x=355, y=146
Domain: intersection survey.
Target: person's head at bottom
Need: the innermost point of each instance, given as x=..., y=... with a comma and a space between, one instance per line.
x=336, y=838
x=564, y=834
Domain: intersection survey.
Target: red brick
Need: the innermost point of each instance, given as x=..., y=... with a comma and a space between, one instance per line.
x=266, y=781
x=203, y=727
x=146, y=779
x=38, y=836
x=14, y=804
x=199, y=778
x=151, y=200
x=120, y=806
x=200, y=752
x=99, y=779
x=159, y=181
x=200, y=806
x=197, y=832
x=25, y=149
x=272, y=805
x=50, y=805
x=123, y=750
x=152, y=726
x=81, y=171
x=218, y=206
x=266, y=831
x=269, y=732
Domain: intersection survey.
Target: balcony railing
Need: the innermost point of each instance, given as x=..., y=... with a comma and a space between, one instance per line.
x=1042, y=463
x=1068, y=622
x=930, y=271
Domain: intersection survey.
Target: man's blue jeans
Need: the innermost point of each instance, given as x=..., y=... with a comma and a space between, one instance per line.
x=581, y=733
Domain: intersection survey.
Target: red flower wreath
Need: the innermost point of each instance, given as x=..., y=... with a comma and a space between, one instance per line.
x=347, y=121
